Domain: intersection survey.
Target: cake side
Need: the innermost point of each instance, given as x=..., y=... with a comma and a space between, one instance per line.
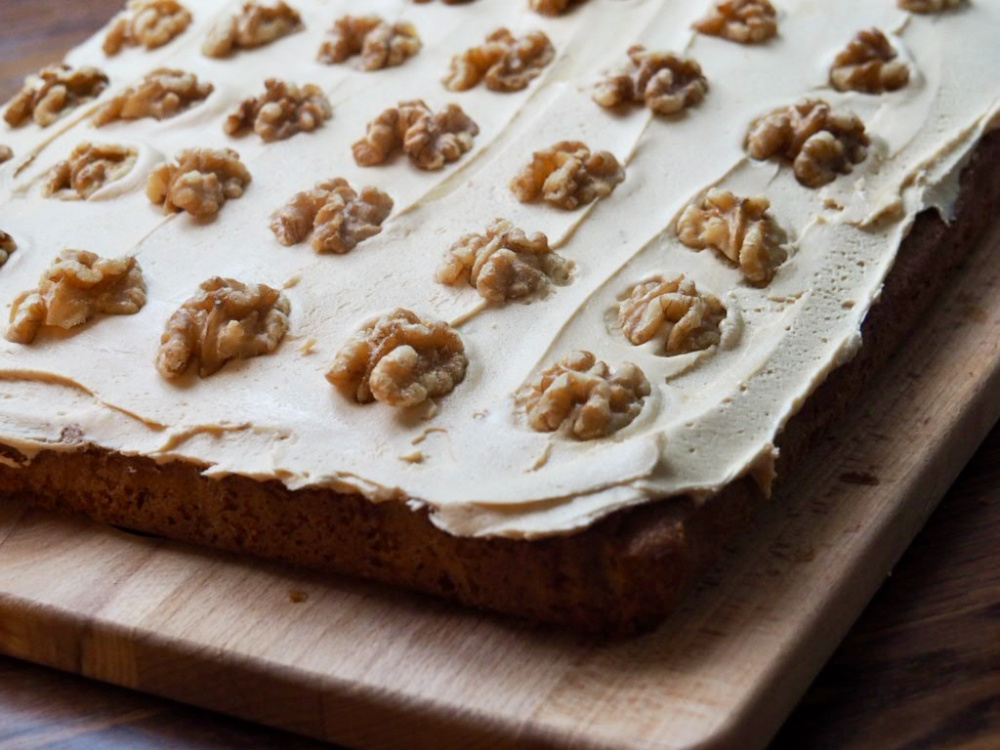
x=622, y=574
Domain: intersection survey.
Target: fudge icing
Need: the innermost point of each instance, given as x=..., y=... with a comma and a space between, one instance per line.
x=470, y=457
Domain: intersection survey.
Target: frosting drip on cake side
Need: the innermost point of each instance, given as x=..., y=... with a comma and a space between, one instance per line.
x=712, y=415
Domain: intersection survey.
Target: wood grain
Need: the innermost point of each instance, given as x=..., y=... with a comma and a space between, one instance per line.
x=34, y=33
x=43, y=708
x=921, y=669
x=564, y=686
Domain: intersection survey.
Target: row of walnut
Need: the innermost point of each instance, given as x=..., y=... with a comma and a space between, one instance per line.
x=663, y=81
x=154, y=23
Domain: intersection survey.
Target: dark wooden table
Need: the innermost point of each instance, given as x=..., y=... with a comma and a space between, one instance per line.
x=920, y=670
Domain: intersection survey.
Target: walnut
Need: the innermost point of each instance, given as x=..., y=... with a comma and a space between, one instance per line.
x=554, y=7
x=400, y=360
x=380, y=44
x=6, y=153
x=150, y=23
x=743, y=21
x=162, y=94
x=673, y=311
x=76, y=287
x=430, y=140
x=741, y=229
x=929, y=6
x=568, y=176
x=89, y=168
x=506, y=62
x=662, y=81
x=7, y=246
x=340, y=217
x=819, y=142
x=284, y=110
x=225, y=320
x=505, y=263
x=200, y=181
x=869, y=65
x=585, y=397
x=52, y=92
x=255, y=25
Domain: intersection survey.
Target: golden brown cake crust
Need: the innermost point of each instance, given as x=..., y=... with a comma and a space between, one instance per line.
x=621, y=575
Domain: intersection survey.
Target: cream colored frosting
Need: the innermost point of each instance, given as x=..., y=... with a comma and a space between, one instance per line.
x=471, y=457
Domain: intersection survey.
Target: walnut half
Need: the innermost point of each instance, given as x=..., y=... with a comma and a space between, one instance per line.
x=662, y=81
x=6, y=153
x=76, y=287
x=585, y=397
x=568, y=176
x=284, y=110
x=7, y=246
x=225, y=320
x=504, y=263
x=741, y=229
x=199, y=181
x=504, y=61
x=929, y=6
x=401, y=360
x=673, y=311
x=89, y=168
x=742, y=21
x=430, y=140
x=162, y=94
x=335, y=213
x=149, y=23
x=52, y=92
x=819, y=142
x=869, y=65
x=380, y=44
x=553, y=7
x=255, y=25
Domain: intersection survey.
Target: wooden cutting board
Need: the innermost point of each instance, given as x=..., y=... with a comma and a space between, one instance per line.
x=371, y=667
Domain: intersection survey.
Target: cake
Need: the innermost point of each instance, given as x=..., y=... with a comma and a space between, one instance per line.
x=524, y=305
